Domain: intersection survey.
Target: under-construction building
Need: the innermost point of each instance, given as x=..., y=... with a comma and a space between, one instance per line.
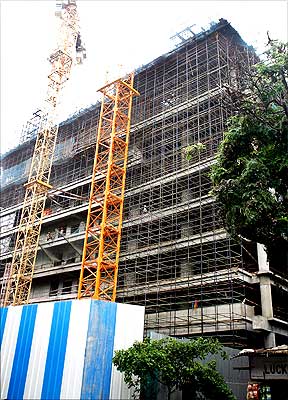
x=176, y=258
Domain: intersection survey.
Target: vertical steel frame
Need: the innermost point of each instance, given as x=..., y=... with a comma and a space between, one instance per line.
x=99, y=270
x=25, y=252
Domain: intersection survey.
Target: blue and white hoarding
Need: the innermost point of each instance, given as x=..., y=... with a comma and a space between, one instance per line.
x=64, y=350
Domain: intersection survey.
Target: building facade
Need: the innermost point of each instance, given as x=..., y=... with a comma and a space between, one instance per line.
x=176, y=258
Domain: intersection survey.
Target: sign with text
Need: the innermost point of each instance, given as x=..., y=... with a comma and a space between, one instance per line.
x=269, y=368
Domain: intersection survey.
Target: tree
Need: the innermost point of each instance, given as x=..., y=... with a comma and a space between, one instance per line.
x=250, y=177
x=175, y=364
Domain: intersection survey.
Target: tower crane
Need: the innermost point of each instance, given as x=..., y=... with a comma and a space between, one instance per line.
x=18, y=287
x=99, y=269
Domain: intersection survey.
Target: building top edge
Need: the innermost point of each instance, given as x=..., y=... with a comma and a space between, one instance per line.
x=221, y=25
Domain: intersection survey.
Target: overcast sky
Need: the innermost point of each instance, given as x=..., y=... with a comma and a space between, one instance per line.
x=130, y=33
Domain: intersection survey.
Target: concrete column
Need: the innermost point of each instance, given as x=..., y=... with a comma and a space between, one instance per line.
x=266, y=296
x=263, y=263
x=265, y=292
x=269, y=340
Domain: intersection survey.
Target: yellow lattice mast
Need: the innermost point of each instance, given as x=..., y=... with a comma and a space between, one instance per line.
x=98, y=278
x=24, y=256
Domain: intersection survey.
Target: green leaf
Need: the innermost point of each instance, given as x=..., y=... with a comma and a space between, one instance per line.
x=174, y=363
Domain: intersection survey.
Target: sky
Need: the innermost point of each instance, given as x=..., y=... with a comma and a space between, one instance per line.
x=119, y=36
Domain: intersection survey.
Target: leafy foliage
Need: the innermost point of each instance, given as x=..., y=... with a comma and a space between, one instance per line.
x=250, y=177
x=175, y=364
x=194, y=148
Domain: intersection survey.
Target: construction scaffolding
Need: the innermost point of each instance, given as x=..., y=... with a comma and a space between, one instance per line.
x=176, y=258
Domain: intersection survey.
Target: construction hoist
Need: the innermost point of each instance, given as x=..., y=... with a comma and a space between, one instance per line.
x=69, y=48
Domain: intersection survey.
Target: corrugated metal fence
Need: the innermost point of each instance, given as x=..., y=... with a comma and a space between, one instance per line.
x=64, y=350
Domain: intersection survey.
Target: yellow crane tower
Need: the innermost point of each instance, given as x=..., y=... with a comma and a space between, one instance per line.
x=99, y=270
x=17, y=290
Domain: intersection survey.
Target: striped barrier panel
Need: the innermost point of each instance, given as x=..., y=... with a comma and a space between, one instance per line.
x=64, y=350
